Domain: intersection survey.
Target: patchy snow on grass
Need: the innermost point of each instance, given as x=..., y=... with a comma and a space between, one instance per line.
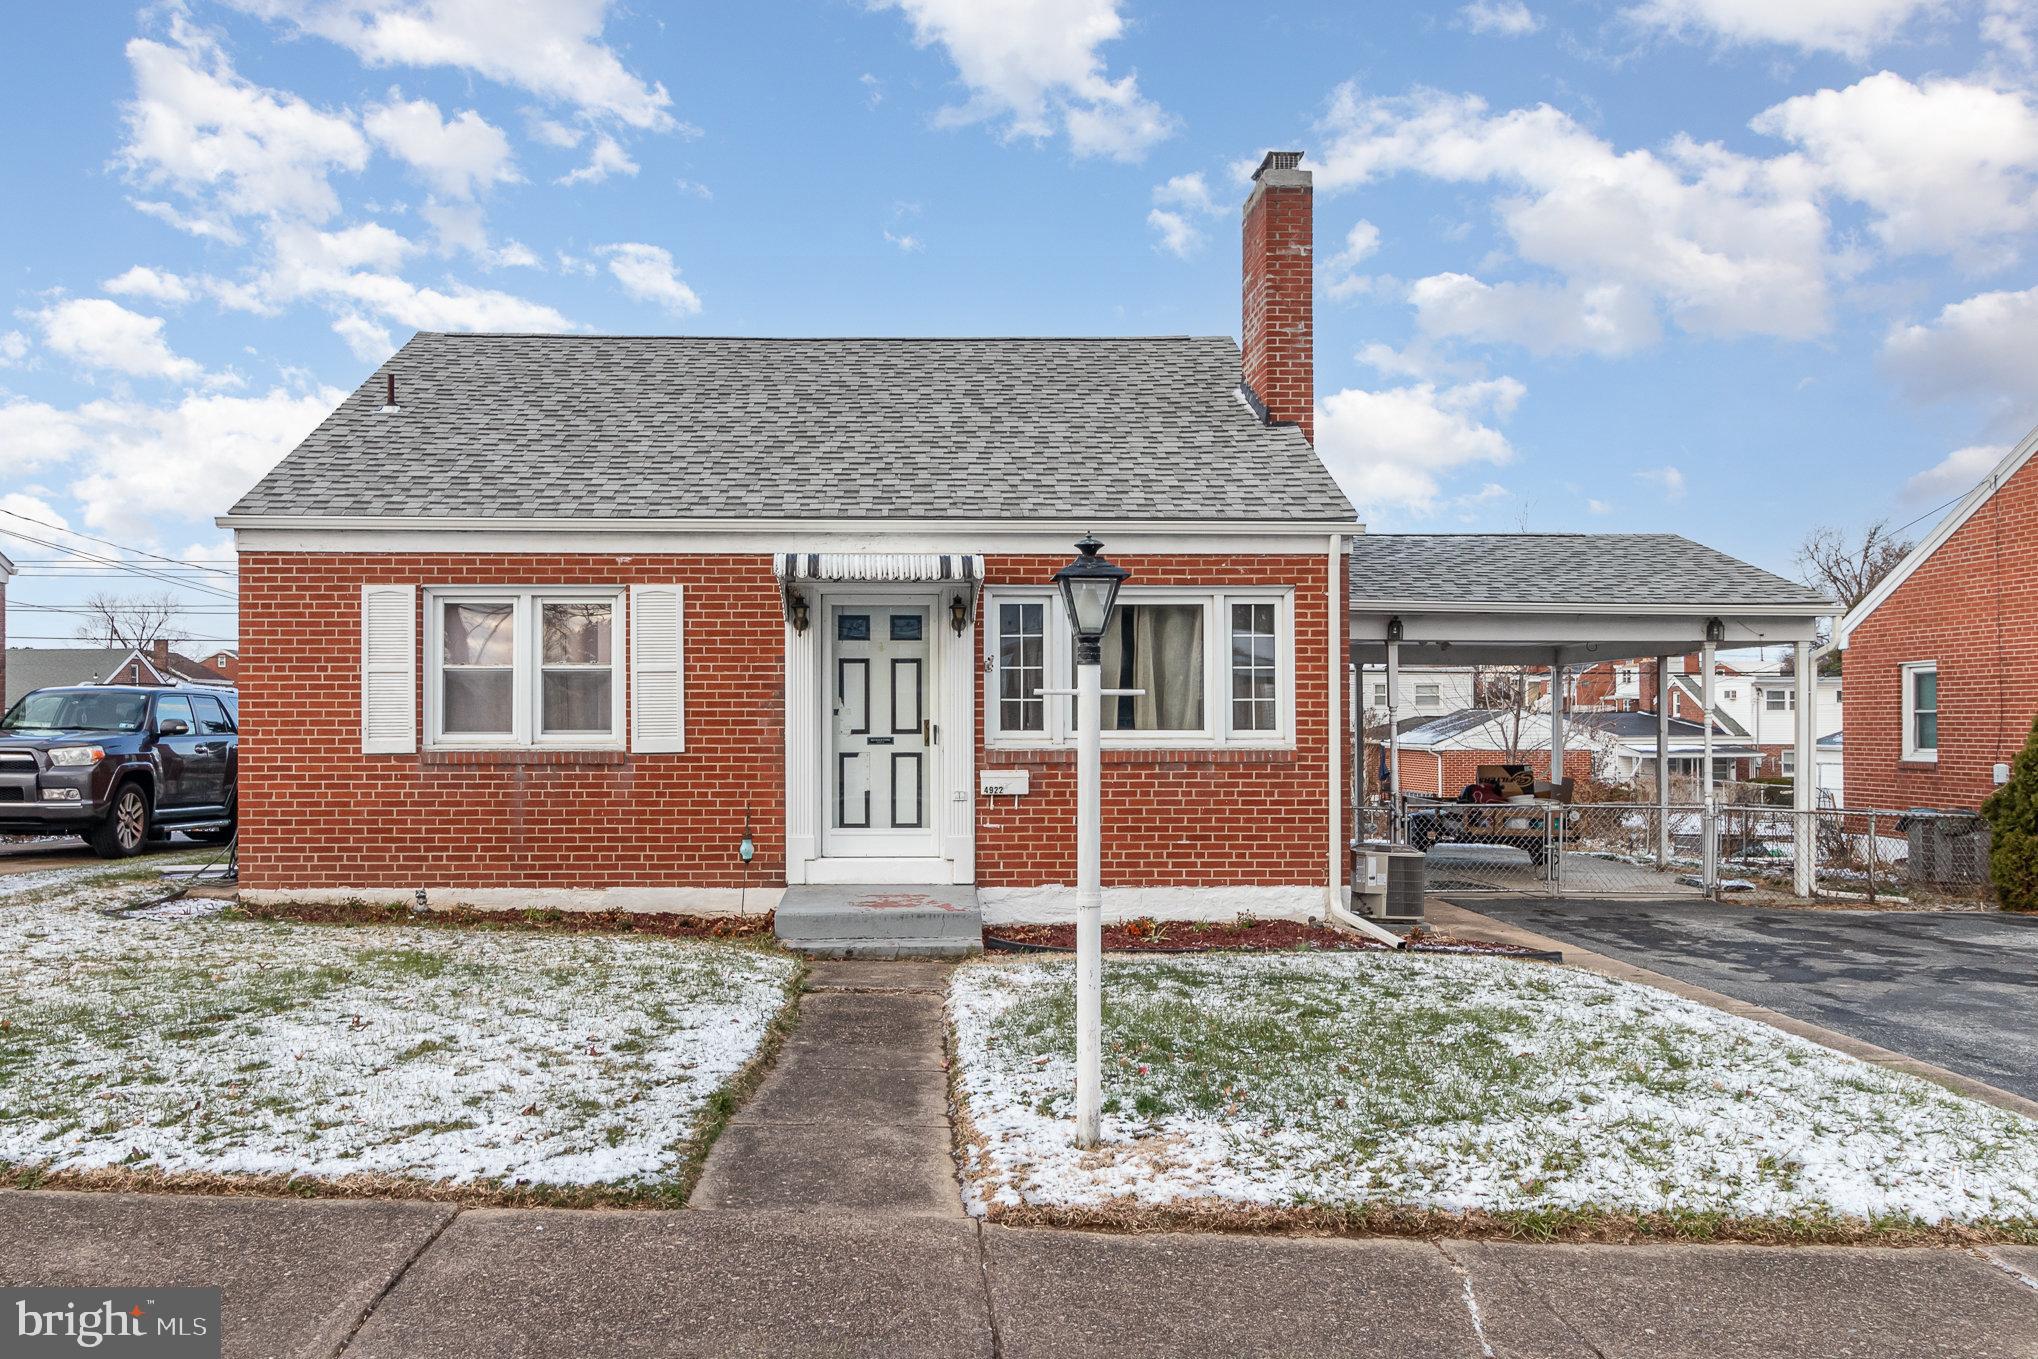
x=1348, y=1081
x=181, y=1042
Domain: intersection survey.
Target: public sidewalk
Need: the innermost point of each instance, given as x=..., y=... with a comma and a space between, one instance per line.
x=827, y=1221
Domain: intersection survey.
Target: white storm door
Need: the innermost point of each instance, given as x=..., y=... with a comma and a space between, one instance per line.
x=881, y=776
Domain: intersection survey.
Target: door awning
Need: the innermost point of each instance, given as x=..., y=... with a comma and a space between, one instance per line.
x=879, y=566
x=962, y=569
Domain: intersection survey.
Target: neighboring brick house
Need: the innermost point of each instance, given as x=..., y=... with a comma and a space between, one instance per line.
x=224, y=666
x=561, y=619
x=1942, y=656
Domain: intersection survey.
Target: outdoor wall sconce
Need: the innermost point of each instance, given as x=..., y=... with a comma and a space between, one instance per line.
x=799, y=608
x=958, y=615
x=1394, y=628
x=1715, y=630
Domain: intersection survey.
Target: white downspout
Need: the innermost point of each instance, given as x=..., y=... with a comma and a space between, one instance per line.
x=1804, y=779
x=1335, y=736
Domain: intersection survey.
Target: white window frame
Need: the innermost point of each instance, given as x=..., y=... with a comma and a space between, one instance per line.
x=1910, y=670
x=1436, y=695
x=526, y=692
x=1216, y=732
x=1786, y=761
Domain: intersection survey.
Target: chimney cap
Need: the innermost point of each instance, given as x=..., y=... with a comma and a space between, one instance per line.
x=1279, y=160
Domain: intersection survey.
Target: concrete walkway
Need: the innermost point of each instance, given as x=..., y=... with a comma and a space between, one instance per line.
x=827, y=1221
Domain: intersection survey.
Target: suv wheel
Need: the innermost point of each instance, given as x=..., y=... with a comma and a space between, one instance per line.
x=126, y=828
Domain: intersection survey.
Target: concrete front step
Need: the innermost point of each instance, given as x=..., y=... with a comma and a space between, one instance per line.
x=881, y=921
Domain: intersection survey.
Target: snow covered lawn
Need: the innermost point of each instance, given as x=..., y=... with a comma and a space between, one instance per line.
x=186, y=1044
x=1341, y=1085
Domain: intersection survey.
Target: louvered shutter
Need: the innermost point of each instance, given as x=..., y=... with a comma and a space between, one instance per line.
x=657, y=670
x=388, y=669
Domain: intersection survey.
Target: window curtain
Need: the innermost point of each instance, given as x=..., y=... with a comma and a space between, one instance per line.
x=1157, y=648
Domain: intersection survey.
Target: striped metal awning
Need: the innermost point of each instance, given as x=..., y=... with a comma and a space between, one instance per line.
x=965, y=569
x=879, y=566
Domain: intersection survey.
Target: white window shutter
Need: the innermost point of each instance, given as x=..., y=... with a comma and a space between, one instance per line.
x=657, y=670
x=389, y=683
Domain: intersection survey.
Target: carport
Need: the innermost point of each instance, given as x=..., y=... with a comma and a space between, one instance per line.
x=1565, y=600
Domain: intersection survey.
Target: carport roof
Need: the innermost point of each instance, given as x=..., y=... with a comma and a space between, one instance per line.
x=1663, y=571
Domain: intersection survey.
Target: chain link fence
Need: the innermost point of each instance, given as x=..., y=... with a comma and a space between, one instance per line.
x=1858, y=856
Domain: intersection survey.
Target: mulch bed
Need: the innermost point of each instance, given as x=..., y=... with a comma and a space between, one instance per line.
x=747, y=928
x=1231, y=936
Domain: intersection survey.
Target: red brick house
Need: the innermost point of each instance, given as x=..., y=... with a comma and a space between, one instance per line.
x=1942, y=656
x=562, y=619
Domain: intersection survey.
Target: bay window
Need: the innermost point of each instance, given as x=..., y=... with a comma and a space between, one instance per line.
x=1210, y=667
x=524, y=667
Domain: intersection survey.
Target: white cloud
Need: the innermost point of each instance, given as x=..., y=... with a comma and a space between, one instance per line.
x=1669, y=480
x=204, y=225
x=1502, y=18
x=607, y=158
x=134, y=463
x=155, y=284
x=35, y=435
x=648, y=274
x=353, y=273
x=1945, y=165
x=1177, y=201
x=1604, y=318
x=1178, y=236
x=13, y=348
x=552, y=48
x=906, y=241
x=1955, y=474
x=366, y=340
x=458, y=157
x=1723, y=244
x=196, y=126
x=101, y=333
x=2008, y=27
x=1035, y=67
x=1598, y=507
x=1980, y=347
x=1341, y=278
x=1387, y=448
x=1851, y=28
x=552, y=132
x=873, y=90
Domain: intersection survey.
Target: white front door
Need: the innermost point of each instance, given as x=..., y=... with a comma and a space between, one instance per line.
x=882, y=796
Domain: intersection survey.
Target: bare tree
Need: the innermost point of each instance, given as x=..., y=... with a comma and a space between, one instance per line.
x=1848, y=568
x=1511, y=693
x=132, y=620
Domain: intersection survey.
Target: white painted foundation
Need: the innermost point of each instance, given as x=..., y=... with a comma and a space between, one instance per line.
x=670, y=900
x=1055, y=904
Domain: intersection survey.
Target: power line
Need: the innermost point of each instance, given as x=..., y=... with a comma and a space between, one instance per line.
x=64, y=608
x=53, y=637
x=77, y=533
x=110, y=561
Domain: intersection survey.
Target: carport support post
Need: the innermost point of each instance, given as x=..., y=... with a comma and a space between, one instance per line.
x=1558, y=711
x=1394, y=822
x=1710, y=817
x=1663, y=763
x=1804, y=779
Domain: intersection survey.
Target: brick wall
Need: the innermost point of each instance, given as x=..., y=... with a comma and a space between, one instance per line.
x=316, y=812
x=1182, y=817
x=1972, y=606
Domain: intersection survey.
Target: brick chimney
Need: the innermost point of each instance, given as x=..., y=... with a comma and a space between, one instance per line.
x=1278, y=325
x=159, y=655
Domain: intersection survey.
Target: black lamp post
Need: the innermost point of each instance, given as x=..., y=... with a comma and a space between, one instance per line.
x=1089, y=589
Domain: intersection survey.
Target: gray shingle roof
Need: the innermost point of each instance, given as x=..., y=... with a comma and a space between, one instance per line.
x=556, y=426
x=1562, y=569
x=42, y=667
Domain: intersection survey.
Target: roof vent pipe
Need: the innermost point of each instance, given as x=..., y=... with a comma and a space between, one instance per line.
x=389, y=403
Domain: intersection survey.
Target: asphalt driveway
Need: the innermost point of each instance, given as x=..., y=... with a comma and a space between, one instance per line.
x=1958, y=990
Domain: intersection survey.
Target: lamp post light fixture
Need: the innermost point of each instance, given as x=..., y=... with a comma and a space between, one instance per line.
x=1089, y=590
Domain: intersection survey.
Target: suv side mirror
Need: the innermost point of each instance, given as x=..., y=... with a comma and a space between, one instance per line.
x=173, y=726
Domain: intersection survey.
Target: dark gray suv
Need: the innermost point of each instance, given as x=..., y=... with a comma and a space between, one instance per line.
x=120, y=765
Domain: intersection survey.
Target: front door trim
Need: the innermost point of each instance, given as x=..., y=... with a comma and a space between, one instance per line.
x=948, y=769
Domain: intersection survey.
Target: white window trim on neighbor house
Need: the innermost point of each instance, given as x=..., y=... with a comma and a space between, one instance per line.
x=1912, y=751
x=1216, y=733
x=527, y=664
x=1779, y=699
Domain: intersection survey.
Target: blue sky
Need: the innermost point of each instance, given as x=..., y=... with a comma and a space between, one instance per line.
x=1727, y=267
